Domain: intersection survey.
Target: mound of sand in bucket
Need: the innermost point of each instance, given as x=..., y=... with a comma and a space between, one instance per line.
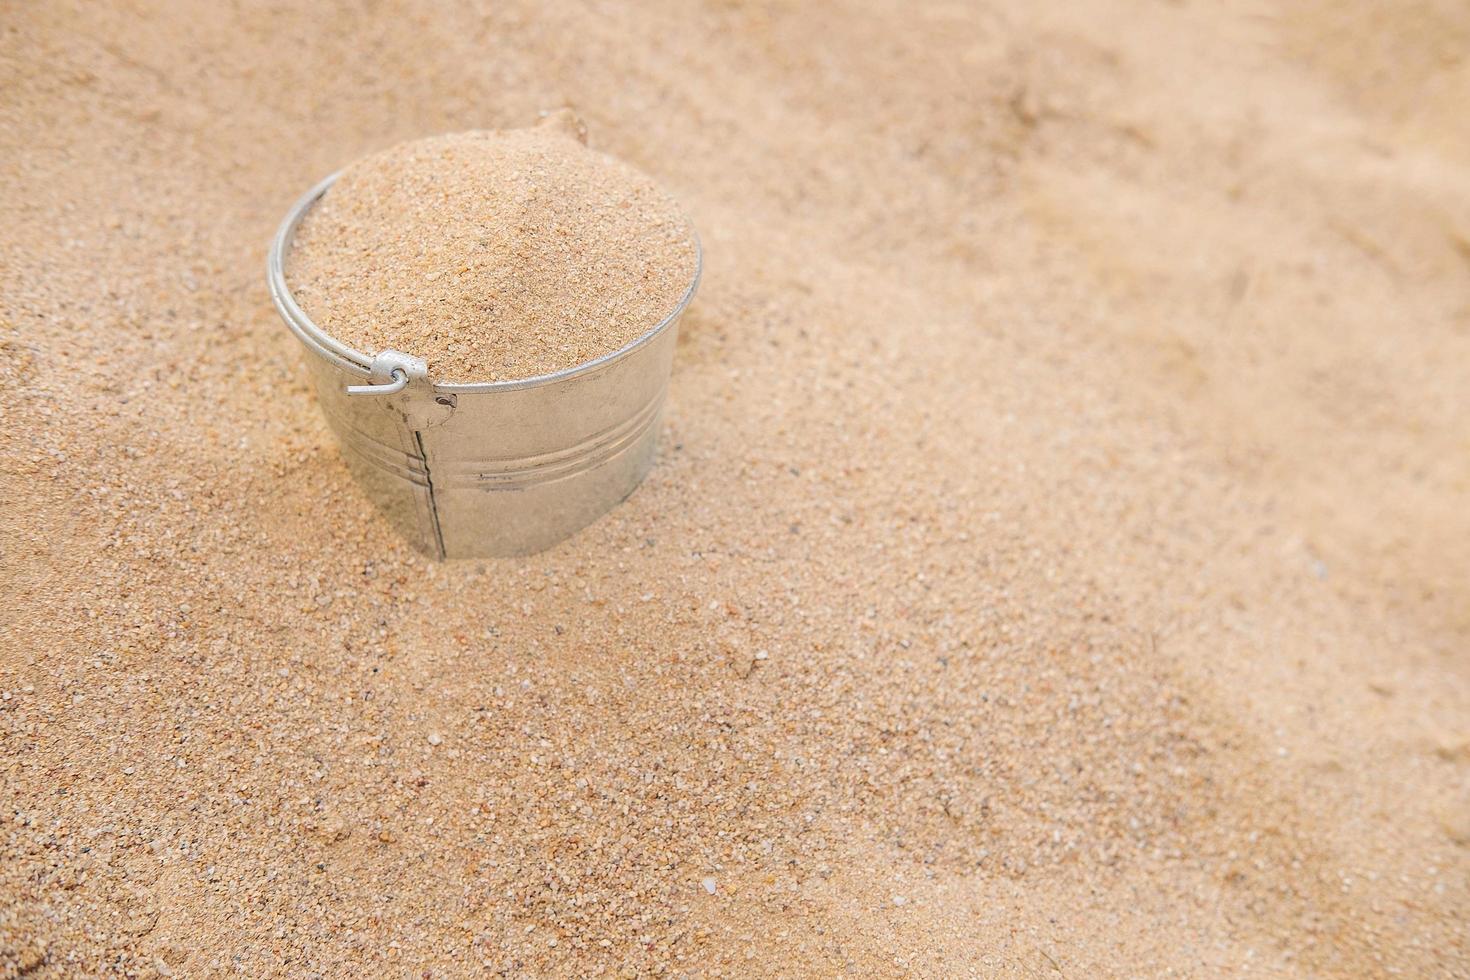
x=493, y=255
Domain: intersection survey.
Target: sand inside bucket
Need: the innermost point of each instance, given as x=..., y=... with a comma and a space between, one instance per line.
x=493, y=255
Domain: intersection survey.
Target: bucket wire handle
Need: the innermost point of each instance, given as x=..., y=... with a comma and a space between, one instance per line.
x=395, y=373
x=399, y=382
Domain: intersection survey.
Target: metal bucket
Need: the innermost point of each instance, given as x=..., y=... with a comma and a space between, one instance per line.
x=490, y=469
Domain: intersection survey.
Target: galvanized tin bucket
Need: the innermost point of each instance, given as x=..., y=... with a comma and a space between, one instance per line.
x=497, y=468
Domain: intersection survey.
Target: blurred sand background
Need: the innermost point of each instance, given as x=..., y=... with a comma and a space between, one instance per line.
x=1056, y=564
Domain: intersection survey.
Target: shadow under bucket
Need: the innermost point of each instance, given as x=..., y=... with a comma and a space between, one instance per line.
x=489, y=469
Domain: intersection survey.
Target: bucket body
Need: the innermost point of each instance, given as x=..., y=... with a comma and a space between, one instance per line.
x=489, y=469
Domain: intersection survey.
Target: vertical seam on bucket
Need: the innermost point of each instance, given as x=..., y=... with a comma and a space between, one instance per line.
x=418, y=438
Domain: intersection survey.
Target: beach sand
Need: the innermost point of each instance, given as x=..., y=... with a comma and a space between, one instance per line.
x=1054, y=567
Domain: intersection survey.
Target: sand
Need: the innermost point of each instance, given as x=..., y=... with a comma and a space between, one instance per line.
x=1054, y=566
x=493, y=255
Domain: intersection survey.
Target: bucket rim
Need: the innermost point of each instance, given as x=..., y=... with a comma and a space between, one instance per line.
x=354, y=361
